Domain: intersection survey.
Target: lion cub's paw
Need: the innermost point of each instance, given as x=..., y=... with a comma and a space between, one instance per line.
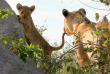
x=18, y=17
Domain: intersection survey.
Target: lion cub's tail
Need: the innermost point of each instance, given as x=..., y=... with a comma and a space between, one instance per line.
x=58, y=48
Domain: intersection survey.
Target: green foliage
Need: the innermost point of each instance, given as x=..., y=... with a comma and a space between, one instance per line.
x=92, y=27
x=41, y=29
x=81, y=18
x=97, y=16
x=21, y=50
x=53, y=65
x=4, y=13
x=105, y=19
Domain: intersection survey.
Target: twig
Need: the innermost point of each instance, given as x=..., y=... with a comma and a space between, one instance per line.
x=92, y=7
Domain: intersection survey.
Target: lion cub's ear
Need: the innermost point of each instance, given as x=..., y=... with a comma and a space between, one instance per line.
x=65, y=12
x=32, y=8
x=18, y=6
x=82, y=11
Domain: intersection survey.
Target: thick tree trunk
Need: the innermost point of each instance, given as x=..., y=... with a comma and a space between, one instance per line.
x=9, y=62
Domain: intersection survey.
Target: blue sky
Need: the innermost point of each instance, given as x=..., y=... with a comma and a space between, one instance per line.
x=49, y=13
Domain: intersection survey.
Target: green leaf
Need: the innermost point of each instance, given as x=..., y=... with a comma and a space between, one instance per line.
x=96, y=32
x=92, y=33
x=79, y=33
x=23, y=57
x=20, y=39
x=68, y=69
x=40, y=31
x=105, y=44
x=5, y=42
x=101, y=0
x=93, y=27
x=13, y=42
x=105, y=19
x=97, y=16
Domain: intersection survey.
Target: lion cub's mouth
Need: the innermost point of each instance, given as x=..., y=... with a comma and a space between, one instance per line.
x=23, y=16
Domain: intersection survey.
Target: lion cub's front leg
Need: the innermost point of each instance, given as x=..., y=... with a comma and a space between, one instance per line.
x=21, y=20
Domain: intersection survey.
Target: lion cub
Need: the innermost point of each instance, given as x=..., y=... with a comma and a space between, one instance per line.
x=31, y=33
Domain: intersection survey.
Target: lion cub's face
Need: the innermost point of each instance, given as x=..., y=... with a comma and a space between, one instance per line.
x=71, y=18
x=25, y=11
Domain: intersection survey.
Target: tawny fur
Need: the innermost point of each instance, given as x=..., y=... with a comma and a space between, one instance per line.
x=31, y=33
x=73, y=24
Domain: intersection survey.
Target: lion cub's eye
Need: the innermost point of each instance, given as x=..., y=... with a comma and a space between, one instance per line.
x=27, y=13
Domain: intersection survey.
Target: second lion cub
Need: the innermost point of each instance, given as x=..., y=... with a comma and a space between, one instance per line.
x=31, y=33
